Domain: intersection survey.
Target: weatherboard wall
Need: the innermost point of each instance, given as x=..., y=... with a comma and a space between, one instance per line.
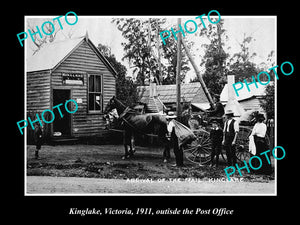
x=83, y=59
x=38, y=91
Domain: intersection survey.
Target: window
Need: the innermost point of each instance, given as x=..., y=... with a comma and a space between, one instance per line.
x=95, y=93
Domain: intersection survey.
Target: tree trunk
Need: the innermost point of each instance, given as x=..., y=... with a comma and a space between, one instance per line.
x=198, y=75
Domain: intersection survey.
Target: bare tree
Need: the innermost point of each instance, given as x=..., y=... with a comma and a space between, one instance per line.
x=34, y=25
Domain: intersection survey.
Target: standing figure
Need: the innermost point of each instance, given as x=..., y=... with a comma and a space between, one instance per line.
x=259, y=132
x=230, y=131
x=38, y=139
x=216, y=137
x=186, y=115
x=178, y=152
x=218, y=112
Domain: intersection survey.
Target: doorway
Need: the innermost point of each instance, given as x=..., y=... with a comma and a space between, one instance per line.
x=61, y=125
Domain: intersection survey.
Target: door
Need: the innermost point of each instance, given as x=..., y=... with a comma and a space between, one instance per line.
x=61, y=125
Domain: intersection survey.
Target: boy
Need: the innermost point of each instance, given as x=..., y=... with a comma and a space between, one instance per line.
x=216, y=137
x=38, y=138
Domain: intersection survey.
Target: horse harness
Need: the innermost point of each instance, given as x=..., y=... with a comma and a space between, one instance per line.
x=129, y=110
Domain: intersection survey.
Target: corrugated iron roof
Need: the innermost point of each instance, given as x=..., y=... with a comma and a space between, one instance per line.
x=191, y=92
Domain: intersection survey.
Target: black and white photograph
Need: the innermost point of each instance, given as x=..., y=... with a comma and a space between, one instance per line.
x=151, y=105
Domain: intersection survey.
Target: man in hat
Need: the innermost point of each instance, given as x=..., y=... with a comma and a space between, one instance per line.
x=174, y=139
x=218, y=111
x=231, y=129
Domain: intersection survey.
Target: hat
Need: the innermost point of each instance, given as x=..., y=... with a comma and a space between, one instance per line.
x=171, y=115
x=229, y=112
x=260, y=116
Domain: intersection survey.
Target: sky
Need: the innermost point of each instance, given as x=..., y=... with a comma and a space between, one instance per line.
x=101, y=30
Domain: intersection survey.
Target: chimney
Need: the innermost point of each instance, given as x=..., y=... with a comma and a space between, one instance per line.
x=152, y=89
x=230, y=82
x=86, y=35
x=232, y=102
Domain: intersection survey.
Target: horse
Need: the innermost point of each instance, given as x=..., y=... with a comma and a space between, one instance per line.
x=134, y=123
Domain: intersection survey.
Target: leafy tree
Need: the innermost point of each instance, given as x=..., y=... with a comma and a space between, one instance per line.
x=125, y=88
x=170, y=54
x=143, y=48
x=136, y=49
x=38, y=42
x=214, y=59
x=240, y=63
x=268, y=104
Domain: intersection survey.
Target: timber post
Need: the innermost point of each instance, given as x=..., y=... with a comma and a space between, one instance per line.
x=178, y=70
x=198, y=75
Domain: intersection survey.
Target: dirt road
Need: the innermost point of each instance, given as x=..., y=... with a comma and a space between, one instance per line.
x=78, y=185
x=100, y=169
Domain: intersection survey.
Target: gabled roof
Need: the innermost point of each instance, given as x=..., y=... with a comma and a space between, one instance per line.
x=154, y=105
x=244, y=94
x=53, y=54
x=191, y=92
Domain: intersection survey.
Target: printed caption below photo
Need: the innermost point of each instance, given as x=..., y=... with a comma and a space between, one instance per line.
x=151, y=211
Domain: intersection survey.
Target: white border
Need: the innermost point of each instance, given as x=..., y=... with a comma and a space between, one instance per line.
x=156, y=194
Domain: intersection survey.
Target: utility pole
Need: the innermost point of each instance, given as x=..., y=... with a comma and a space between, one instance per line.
x=206, y=92
x=178, y=69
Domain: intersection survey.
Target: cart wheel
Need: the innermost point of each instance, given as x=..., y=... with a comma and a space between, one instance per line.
x=223, y=155
x=199, y=150
x=242, y=144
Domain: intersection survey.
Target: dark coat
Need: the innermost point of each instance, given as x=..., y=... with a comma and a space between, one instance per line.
x=216, y=136
x=218, y=111
x=38, y=136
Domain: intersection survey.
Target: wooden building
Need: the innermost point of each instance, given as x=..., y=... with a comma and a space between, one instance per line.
x=249, y=100
x=70, y=69
x=159, y=97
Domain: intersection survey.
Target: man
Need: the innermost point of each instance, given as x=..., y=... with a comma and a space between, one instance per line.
x=218, y=112
x=174, y=139
x=231, y=129
x=186, y=115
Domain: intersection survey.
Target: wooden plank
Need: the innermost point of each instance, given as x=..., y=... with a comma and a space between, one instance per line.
x=84, y=60
x=38, y=90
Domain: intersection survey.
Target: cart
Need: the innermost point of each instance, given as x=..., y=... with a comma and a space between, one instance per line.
x=199, y=150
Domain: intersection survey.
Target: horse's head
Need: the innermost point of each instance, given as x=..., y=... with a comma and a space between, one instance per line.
x=110, y=105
